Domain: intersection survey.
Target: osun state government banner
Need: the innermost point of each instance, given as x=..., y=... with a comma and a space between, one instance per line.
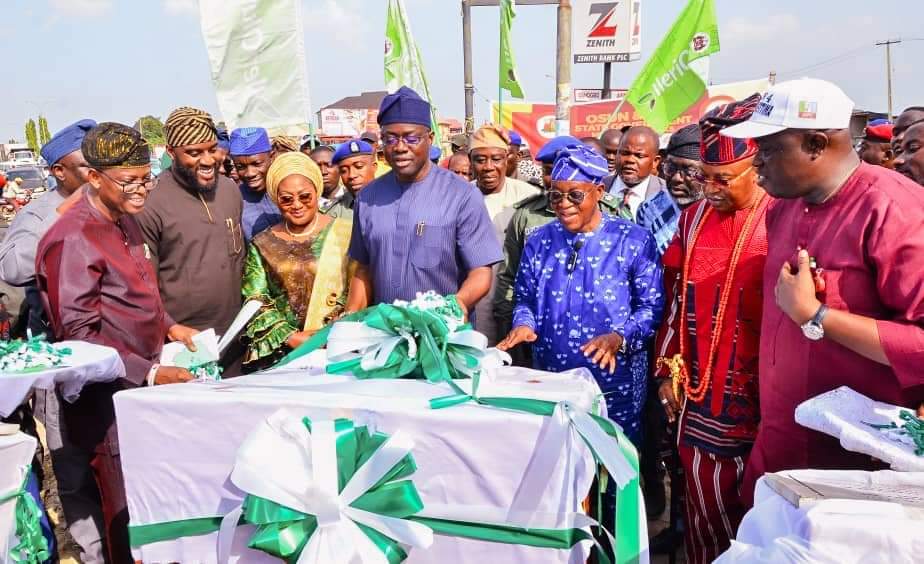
x=257, y=57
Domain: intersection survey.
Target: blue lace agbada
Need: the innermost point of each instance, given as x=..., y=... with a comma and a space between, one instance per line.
x=615, y=287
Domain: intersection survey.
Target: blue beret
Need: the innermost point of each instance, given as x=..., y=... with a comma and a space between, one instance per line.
x=579, y=164
x=351, y=148
x=515, y=138
x=247, y=141
x=435, y=153
x=548, y=151
x=404, y=106
x=66, y=141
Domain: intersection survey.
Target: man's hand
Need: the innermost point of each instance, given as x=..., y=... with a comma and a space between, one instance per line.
x=669, y=401
x=604, y=349
x=464, y=310
x=171, y=375
x=296, y=339
x=795, y=293
x=521, y=334
x=183, y=333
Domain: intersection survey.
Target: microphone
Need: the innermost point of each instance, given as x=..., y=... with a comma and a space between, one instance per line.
x=572, y=260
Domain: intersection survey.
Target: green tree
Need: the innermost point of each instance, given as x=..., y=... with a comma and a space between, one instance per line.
x=31, y=136
x=152, y=129
x=44, y=134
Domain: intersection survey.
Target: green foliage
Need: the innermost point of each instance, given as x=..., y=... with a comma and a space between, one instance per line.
x=31, y=136
x=44, y=134
x=152, y=129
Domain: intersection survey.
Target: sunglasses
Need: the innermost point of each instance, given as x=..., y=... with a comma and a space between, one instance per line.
x=286, y=200
x=411, y=139
x=576, y=197
x=725, y=182
x=688, y=171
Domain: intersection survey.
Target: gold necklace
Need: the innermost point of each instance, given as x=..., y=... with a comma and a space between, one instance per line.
x=309, y=231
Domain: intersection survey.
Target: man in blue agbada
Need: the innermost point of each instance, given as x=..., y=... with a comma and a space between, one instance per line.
x=589, y=291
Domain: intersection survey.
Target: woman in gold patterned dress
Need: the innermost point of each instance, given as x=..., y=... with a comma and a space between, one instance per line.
x=298, y=268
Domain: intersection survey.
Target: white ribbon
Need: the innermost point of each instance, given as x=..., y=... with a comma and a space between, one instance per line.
x=283, y=462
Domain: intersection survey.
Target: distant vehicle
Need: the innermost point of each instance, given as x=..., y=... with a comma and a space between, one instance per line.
x=32, y=178
x=23, y=158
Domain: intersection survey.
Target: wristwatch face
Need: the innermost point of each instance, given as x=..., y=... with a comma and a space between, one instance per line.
x=813, y=331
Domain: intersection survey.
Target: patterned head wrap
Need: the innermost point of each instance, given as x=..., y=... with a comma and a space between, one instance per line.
x=189, y=126
x=489, y=136
x=717, y=149
x=579, y=164
x=284, y=144
x=685, y=142
x=286, y=165
x=113, y=145
x=247, y=141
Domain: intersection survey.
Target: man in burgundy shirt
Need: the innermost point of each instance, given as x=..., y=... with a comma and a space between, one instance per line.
x=843, y=285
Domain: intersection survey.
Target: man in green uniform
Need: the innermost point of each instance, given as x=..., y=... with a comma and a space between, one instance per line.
x=531, y=214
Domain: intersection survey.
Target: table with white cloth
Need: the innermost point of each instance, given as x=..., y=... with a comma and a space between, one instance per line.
x=836, y=531
x=88, y=363
x=16, y=452
x=179, y=442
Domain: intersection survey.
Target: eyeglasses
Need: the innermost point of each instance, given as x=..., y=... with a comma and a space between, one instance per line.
x=131, y=188
x=287, y=200
x=694, y=173
x=726, y=182
x=576, y=197
x=411, y=139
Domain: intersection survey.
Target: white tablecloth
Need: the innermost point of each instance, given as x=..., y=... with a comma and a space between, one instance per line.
x=178, y=444
x=16, y=453
x=835, y=531
x=88, y=363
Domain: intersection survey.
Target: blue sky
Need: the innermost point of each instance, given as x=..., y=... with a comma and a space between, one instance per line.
x=120, y=59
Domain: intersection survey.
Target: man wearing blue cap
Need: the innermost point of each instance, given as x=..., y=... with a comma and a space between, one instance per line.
x=531, y=214
x=77, y=488
x=419, y=227
x=589, y=290
x=355, y=159
x=252, y=155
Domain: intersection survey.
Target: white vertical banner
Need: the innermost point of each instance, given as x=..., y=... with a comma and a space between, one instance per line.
x=256, y=53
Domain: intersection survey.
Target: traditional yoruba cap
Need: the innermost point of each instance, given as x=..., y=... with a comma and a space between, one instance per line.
x=459, y=140
x=371, y=136
x=716, y=148
x=284, y=144
x=880, y=132
x=113, y=145
x=404, y=106
x=515, y=138
x=286, y=165
x=549, y=151
x=66, y=141
x=224, y=141
x=806, y=103
x=684, y=143
x=247, y=141
x=489, y=136
x=435, y=153
x=189, y=126
x=352, y=148
x=579, y=164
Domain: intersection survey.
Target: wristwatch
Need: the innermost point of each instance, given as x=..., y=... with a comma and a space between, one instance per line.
x=812, y=329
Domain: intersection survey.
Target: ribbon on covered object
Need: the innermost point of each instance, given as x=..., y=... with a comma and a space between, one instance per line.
x=32, y=547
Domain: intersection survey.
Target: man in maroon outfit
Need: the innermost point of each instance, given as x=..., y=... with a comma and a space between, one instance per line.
x=843, y=284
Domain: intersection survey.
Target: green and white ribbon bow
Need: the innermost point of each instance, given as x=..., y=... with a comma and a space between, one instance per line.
x=32, y=547
x=326, y=492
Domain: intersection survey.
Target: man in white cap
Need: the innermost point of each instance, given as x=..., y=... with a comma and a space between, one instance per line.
x=843, y=291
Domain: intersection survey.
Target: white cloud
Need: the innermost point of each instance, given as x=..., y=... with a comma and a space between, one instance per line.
x=85, y=8
x=342, y=23
x=181, y=7
x=775, y=26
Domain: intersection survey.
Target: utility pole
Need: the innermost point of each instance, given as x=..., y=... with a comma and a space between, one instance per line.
x=607, y=70
x=563, y=70
x=888, y=45
x=469, y=126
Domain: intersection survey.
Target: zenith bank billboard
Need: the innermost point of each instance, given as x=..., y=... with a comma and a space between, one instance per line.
x=606, y=32
x=536, y=122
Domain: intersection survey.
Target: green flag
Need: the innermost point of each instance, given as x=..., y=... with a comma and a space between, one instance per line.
x=403, y=66
x=667, y=86
x=507, y=68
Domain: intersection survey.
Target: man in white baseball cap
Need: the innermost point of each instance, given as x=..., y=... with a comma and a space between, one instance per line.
x=843, y=292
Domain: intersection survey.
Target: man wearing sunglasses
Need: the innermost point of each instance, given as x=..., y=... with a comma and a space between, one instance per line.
x=708, y=343
x=419, y=227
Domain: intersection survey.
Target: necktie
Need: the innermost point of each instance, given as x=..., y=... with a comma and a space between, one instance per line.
x=625, y=210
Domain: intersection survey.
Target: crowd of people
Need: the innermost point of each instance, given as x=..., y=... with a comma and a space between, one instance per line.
x=709, y=286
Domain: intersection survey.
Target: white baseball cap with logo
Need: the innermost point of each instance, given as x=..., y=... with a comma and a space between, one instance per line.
x=807, y=103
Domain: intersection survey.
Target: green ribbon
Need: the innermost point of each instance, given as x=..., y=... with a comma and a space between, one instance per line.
x=32, y=547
